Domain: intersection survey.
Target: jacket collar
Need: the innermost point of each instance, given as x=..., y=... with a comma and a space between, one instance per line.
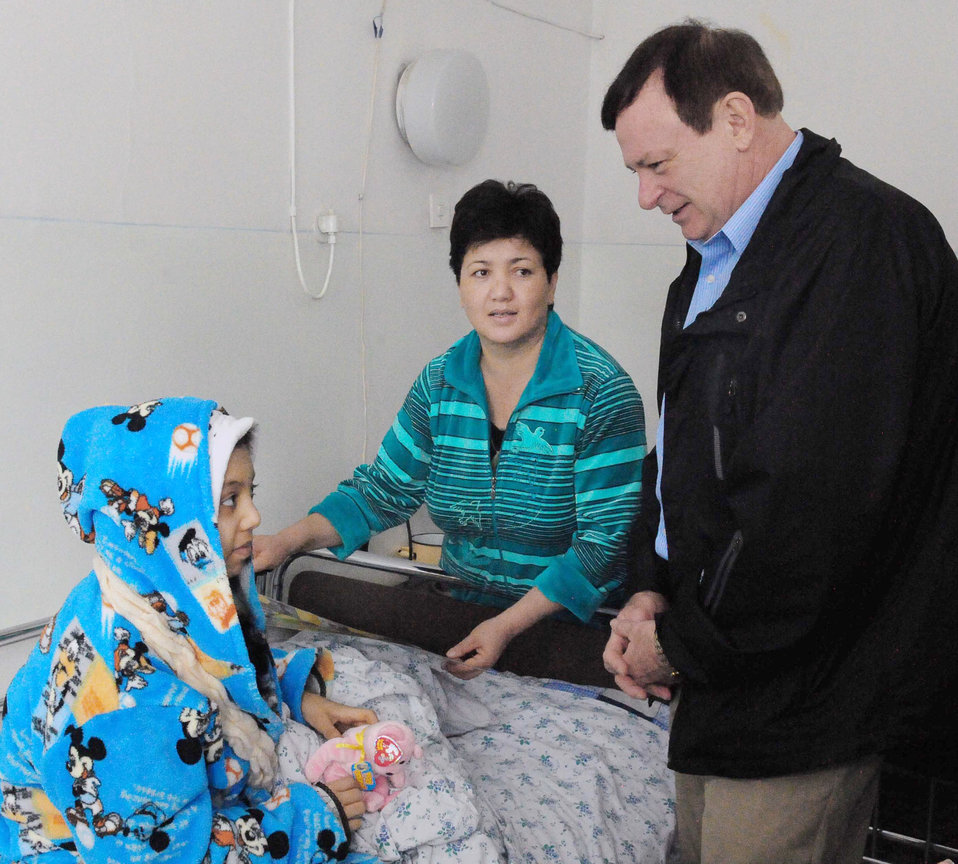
x=557, y=370
x=798, y=191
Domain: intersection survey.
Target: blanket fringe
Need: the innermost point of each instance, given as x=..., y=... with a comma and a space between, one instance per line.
x=240, y=729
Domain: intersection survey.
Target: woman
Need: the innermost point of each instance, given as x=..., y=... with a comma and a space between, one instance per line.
x=524, y=439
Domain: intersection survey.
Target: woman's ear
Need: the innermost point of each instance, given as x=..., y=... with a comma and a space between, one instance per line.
x=553, y=281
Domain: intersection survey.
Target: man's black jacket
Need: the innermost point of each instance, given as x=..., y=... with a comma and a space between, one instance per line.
x=811, y=483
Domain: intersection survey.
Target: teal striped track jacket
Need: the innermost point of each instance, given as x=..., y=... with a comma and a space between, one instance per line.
x=556, y=513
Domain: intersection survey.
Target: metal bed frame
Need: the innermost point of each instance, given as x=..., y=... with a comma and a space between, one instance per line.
x=22, y=632
x=915, y=820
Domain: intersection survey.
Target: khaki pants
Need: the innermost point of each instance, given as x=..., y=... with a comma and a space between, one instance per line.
x=819, y=817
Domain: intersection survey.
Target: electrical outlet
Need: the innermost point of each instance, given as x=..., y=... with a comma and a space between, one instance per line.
x=327, y=222
x=438, y=212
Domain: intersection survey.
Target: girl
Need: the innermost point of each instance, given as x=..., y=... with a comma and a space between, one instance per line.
x=144, y=724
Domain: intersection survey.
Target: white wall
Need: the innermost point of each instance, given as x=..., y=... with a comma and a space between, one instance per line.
x=144, y=198
x=144, y=245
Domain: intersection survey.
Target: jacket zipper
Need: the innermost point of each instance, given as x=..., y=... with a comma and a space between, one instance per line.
x=725, y=565
x=493, y=468
x=717, y=453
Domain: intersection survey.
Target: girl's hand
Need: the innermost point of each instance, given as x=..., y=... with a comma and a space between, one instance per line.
x=350, y=797
x=330, y=718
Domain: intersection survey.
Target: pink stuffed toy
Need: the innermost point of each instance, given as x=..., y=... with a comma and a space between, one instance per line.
x=374, y=754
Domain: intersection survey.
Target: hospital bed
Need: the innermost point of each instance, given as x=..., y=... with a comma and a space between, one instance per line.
x=407, y=603
x=540, y=760
x=491, y=784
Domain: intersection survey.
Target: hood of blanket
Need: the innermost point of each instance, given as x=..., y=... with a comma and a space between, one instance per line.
x=135, y=480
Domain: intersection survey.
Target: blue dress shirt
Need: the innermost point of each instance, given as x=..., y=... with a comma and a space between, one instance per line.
x=720, y=253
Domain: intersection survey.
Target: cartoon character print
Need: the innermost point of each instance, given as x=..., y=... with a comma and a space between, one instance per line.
x=88, y=814
x=19, y=806
x=194, y=550
x=233, y=771
x=135, y=416
x=70, y=495
x=245, y=838
x=176, y=620
x=67, y=671
x=202, y=734
x=130, y=662
x=184, y=447
x=45, y=641
x=144, y=523
x=328, y=850
x=146, y=824
x=74, y=654
x=219, y=605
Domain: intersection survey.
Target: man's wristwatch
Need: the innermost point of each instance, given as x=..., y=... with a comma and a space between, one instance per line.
x=674, y=674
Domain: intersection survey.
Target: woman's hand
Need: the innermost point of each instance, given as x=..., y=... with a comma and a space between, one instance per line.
x=312, y=532
x=484, y=645
x=269, y=551
x=330, y=718
x=479, y=650
x=350, y=797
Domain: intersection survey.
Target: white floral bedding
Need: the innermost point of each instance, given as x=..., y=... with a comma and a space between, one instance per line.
x=515, y=769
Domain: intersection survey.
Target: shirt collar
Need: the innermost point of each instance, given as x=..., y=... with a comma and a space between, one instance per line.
x=557, y=369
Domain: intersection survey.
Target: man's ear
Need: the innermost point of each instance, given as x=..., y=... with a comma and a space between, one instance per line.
x=737, y=114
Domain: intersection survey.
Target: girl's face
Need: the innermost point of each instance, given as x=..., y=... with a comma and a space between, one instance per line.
x=237, y=516
x=505, y=291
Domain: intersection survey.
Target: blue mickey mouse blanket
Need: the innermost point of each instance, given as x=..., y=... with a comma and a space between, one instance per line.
x=138, y=729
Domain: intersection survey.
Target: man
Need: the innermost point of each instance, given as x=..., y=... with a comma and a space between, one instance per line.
x=797, y=584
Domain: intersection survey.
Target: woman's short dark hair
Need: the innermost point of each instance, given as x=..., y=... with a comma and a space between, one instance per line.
x=493, y=210
x=700, y=65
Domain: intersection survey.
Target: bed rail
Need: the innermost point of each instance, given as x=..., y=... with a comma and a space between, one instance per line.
x=915, y=819
x=22, y=632
x=406, y=601
x=361, y=565
x=370, y=567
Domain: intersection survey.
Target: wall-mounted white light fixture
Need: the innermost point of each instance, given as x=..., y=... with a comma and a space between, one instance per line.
x=442, y=107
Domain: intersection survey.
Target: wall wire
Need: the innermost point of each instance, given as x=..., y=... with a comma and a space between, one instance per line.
x=378, y=30
x=531, y=17
x=330, y=237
